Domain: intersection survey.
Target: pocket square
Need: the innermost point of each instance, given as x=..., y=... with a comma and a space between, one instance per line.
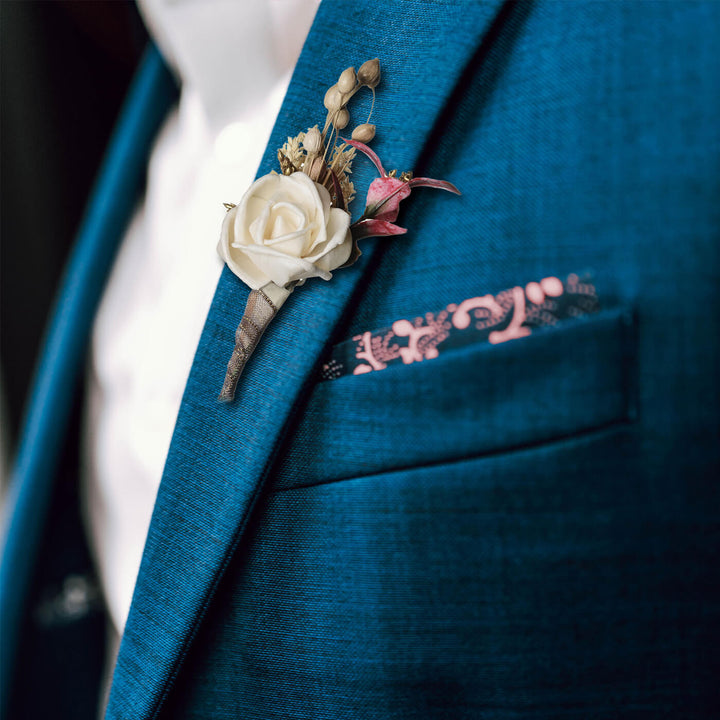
x=508, y=315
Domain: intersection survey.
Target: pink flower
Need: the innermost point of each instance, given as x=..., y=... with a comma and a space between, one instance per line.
x=384, y=195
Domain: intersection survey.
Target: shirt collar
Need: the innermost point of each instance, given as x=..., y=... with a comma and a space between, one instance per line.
x=230, y=53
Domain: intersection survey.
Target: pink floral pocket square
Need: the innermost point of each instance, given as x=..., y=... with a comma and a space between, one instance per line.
x=513, y=313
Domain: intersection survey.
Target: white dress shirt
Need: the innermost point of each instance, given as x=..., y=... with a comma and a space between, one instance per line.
x=234, y=59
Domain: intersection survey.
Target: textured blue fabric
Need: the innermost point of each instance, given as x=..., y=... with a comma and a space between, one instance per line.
x=114, y=195
x=525, y=530
x=543, y=583
x=545, y=543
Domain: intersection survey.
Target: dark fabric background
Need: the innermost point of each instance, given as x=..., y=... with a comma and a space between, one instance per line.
x=65, y=68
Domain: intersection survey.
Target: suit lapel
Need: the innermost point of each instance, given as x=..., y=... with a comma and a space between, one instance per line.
x=49, y=407
x=221, y=454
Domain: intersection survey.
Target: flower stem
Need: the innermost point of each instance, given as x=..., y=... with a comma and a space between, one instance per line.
x=259, y=311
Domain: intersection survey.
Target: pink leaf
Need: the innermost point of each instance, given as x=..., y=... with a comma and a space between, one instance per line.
x=439, y=184
x=375, y=228
x=363, y=148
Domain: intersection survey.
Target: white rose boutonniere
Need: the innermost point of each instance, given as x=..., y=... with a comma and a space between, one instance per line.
x=285, y=231
x=293, y=226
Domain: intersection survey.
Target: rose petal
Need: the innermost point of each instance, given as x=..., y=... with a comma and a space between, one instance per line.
x=312, y=192
x=338, y=248
x=280, y=268
x=337, y=227
x=325, y=199
x=257, y=227
x=321, y=217
x=338, y=255
x=238, y=262
x=288, y=229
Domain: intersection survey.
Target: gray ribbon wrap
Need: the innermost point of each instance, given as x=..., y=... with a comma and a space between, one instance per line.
x=259, y=311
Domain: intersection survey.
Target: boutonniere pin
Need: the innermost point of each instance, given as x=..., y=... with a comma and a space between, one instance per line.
x=295, y=225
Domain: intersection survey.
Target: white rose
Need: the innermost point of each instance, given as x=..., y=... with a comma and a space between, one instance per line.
x=284, y=230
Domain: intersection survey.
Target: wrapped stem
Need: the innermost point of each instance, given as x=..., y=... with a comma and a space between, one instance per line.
x=259, y=311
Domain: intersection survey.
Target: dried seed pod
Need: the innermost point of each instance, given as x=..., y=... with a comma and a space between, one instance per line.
x=333, y=99
x=314, y=168
x=364, y=133
x=341, y=119
x=347, y=81
x=313, y=141
x=369, y=73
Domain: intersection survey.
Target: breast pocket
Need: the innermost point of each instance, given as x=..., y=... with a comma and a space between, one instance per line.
x=575, y=377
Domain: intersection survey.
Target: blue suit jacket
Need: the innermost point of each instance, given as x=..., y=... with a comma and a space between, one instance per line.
x=519, y=530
